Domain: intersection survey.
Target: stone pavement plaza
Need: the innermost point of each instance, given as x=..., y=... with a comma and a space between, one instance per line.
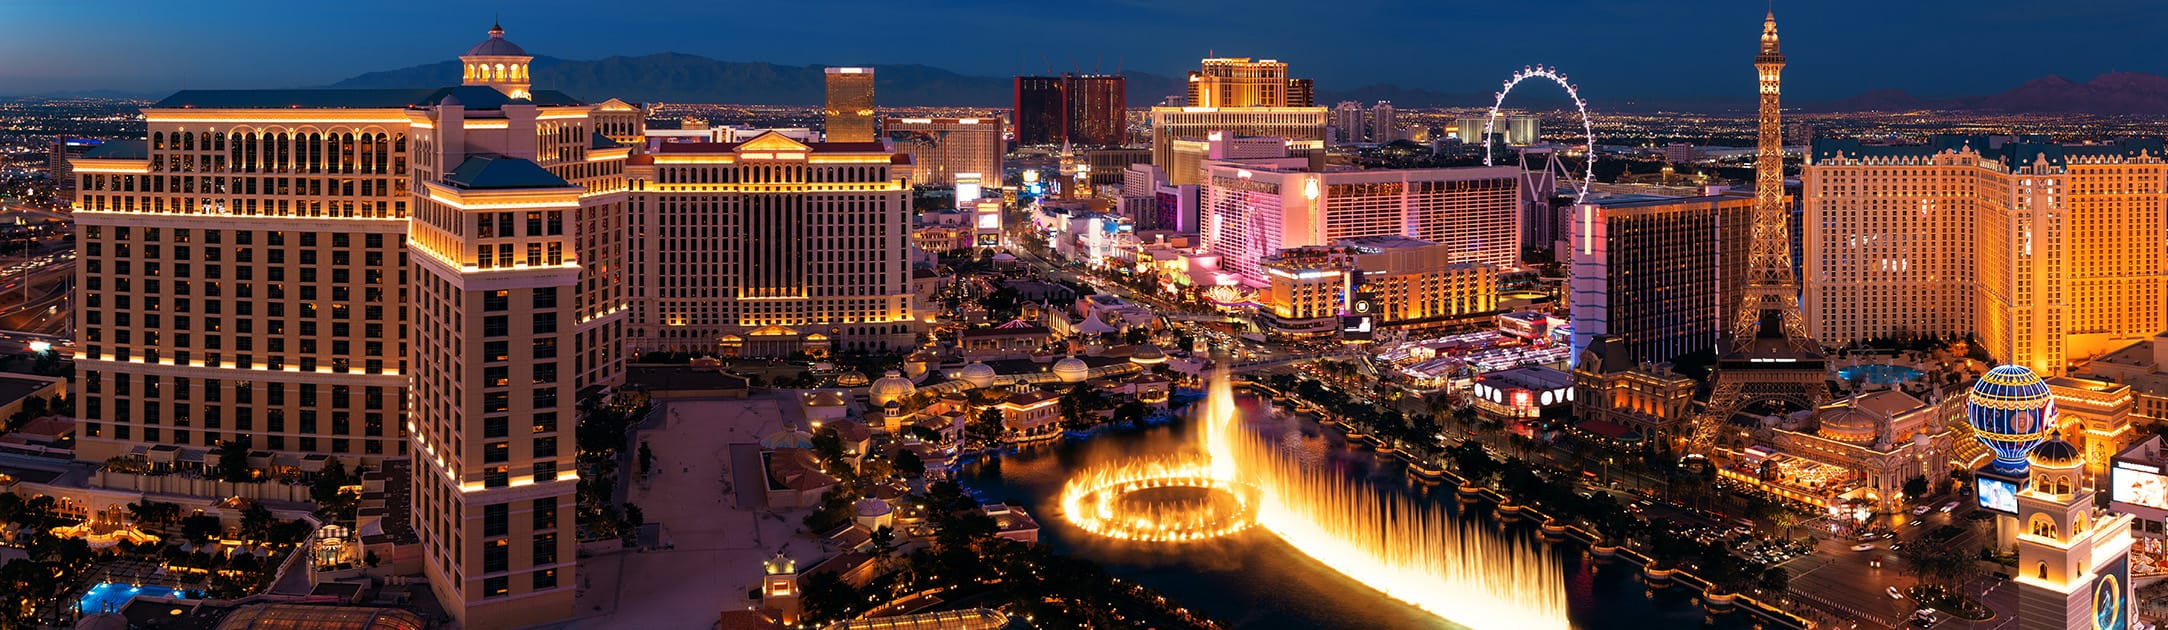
x=715, y=548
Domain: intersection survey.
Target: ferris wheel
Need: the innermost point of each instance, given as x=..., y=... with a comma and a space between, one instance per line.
x=1588, y=127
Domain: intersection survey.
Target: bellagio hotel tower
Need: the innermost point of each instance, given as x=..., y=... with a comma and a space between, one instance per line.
x=369, y=274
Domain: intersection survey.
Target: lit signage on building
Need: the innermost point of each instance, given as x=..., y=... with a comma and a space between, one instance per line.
x=1355, y=328
x=2136, y=486
x=1997, y=494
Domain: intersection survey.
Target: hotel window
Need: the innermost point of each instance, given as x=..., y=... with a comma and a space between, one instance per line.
x=545, y=514
x=496, y=519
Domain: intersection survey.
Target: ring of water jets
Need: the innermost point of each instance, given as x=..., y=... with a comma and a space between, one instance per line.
x=1101, y=502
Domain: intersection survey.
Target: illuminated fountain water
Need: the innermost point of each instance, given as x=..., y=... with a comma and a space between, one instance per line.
x=1409, y=549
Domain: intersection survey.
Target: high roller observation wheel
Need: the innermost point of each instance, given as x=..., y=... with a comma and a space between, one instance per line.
x=1588, y=128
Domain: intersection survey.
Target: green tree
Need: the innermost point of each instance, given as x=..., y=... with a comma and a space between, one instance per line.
x=1130, y=411
x=233, y=462
x=829, y=599
x=987, y=428
x=257, y=521
x=154, y=514
x=909, y=465
x=330, y=492
x=1915, y=487
x=201, y=528
x=1775, y=580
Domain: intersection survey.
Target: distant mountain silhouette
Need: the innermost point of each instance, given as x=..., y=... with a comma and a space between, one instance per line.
x=2113, y=94
x=683, y=78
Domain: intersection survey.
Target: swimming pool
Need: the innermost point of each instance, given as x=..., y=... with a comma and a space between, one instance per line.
x=1880, y=374
x=112, y=595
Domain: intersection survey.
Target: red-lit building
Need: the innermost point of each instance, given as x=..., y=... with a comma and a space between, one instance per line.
x=1079, y=109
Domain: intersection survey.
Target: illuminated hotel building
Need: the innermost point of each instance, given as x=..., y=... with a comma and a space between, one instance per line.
x=1080, y=109
x=849, y=112
x=2142, y=366
x=242, y=276
x=2073, y=559
x=364, y=274
x=1408, y=282
x=771, y=247
x=942, y=147
x=1240, y=82
x=2049, y=253
x=1660, y=278
x=1237, y=96
x=1301, y=127
x=1301, y=92
x=621, y=122
x=1255, y=208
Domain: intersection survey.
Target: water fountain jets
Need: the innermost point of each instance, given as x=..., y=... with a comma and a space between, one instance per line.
x=1411, y=550
x=1112, y=502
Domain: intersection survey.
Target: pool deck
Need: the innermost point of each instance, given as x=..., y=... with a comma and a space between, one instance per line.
x=715, y=538
x=115, y=595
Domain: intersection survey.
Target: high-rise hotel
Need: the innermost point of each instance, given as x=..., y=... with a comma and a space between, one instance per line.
x=1254, y=207
x=365, y=274
x=1241, y=97
x=771, y=247
x=2050, y=253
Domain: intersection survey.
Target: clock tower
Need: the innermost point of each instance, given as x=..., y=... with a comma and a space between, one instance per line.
x=2073, y=558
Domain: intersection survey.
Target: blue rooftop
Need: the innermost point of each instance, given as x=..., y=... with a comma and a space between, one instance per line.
x=497, y=172
x=120, y=150
x=2011, y=151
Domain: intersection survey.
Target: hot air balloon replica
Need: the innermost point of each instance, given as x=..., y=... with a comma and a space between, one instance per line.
x=2010, y=411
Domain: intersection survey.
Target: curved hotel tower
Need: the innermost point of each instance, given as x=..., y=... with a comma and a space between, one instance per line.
x=361, y=275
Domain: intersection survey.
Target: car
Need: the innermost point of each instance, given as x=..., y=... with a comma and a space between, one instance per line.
x=1863, y=547
x=1947, y=507
x=1921, y=510
x=1893, y=594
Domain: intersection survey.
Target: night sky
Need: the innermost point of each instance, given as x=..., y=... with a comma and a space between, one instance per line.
x=1615, y=49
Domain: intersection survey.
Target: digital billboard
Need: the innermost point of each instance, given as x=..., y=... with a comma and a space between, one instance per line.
x=1355, y=328
x=1997, y=494
x=2111, y=596
x=2138, y=487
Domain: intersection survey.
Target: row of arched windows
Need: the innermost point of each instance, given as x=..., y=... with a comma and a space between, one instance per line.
x=496, y=72
x=284, y=152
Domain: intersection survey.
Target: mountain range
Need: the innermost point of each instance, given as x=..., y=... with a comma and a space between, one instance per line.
x=2113, y=94
x=683, y=78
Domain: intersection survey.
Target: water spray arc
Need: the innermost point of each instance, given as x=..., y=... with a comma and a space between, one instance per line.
x=1409, y=549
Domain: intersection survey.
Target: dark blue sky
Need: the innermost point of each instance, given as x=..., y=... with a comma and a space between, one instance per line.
x=1615, y=49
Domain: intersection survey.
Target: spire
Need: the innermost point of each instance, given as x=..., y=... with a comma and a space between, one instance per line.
x=1769, y=33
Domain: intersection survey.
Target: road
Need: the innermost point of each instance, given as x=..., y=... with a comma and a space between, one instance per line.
x=46, y=311
x=1846, y=585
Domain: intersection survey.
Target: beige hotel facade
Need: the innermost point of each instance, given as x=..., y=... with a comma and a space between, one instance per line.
x=438, y=275
x=2050, y=253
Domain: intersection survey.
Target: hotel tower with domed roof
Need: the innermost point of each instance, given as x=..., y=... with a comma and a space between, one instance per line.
x=363, y=276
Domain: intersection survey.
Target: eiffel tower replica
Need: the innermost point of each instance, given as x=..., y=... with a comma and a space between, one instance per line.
x=1770, y=358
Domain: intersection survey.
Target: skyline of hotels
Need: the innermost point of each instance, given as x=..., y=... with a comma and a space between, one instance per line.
x=451, y=283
